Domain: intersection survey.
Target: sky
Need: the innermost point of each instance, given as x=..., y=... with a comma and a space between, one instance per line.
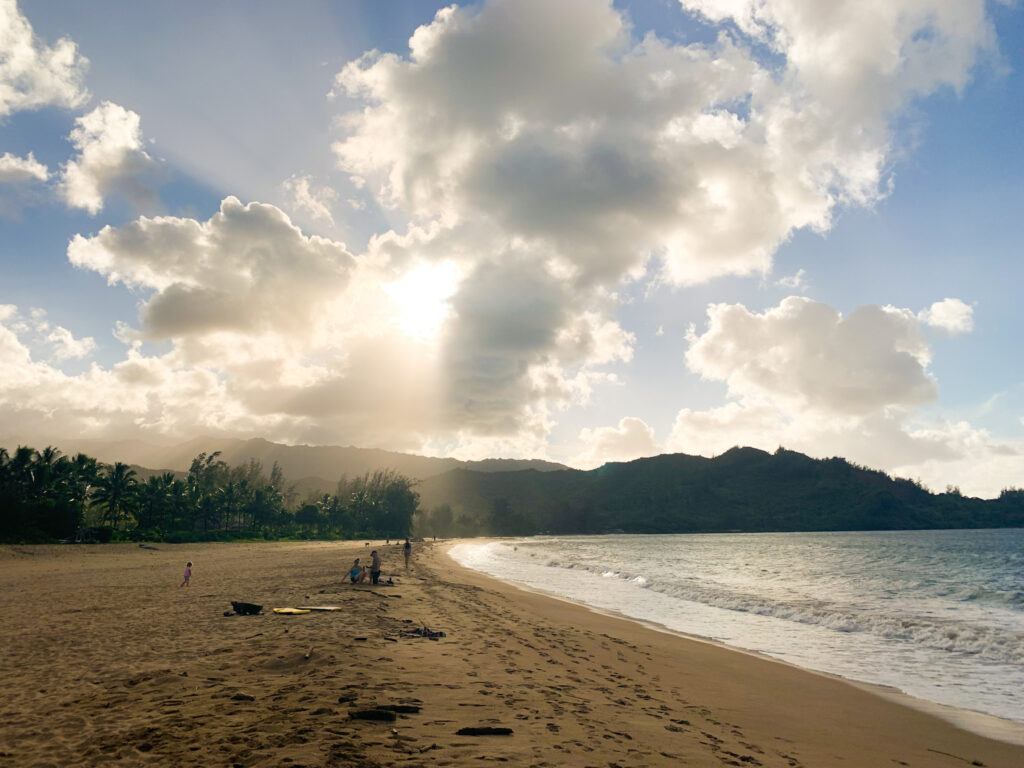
x=585, y=231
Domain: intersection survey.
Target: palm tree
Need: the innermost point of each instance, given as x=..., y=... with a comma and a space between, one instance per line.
x=229, y=498
x=157, y=500
x=79, y=478
x=20, y=465
x=44, y=466
x=15, y=493
x=115, y=492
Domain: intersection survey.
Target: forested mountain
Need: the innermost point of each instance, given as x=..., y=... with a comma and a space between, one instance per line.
x=744, y=489
x=314, y=467
x=46, y=495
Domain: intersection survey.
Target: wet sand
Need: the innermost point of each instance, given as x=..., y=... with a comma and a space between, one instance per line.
x=109, y=662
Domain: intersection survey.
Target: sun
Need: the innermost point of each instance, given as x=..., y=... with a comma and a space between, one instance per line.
x=421, y=299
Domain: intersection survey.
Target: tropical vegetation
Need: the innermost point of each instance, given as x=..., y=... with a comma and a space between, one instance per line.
x=46, y=496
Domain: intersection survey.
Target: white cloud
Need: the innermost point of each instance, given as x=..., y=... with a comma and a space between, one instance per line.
x=547, y=121
x=110, y=159
x=16, y=170
x=32, y=74
x=808, y=356
x=55, y=342
x=864, y=56
x=794, y=281
x=803, y=376
x=21, y=182
x=66, y=346
x=548, y=155
x=532, y=155
x=247, y=269
x=631, y=439
x=522, y=342
x=304, y=196
x=392, y=348
x=951, y=315
x=139, y=396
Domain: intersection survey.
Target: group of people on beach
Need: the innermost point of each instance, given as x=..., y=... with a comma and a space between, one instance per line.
x=359, y=573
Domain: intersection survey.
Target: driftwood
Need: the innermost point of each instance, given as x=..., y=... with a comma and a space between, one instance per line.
x=484, y=730
x=949, y=754
x=374, y=714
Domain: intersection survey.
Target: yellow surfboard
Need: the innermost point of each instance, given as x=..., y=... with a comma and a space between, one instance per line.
x=290, y=610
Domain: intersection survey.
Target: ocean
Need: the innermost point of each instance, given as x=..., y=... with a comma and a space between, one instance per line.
x=938, y=615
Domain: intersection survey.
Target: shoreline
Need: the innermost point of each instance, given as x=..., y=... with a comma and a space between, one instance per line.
x=859, y=710
x=111, y=661
x=979, y=723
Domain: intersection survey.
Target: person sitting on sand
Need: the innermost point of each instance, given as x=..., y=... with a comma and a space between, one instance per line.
x=188, y=575
x=357, y=573
x=374, y=567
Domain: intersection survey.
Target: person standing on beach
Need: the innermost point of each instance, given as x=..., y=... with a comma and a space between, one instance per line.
x=374, y=567
x=188, y=576
x=408, y=551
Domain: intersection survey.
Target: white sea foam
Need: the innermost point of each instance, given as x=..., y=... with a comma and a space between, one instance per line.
x=938, y=614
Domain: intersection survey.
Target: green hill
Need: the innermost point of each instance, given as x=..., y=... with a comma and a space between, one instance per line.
x=744, y=489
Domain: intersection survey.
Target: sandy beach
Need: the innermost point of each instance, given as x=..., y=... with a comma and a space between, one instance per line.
x=109, y=662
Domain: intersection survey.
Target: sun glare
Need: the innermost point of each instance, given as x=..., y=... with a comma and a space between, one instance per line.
x=421, y=299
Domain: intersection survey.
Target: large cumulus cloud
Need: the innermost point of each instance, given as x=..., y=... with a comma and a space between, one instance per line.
x=550, y=121
x=532, y=156
x=247, y=269
x=807, y=355
x=299, y=340
x=522, y=340
x=552, y=154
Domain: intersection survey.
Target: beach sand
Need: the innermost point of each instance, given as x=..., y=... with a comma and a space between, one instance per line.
x=107, y=661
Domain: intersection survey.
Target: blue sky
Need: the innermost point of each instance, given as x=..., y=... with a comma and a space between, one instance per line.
x=587, y=231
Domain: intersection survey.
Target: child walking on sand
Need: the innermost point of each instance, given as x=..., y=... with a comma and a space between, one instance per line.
x=188, y=575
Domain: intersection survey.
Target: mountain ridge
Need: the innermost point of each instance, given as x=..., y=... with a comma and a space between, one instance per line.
x=743, y=489
x=304, y=463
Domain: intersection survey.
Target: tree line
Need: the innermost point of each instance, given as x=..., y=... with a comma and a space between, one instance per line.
x=46, y=496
